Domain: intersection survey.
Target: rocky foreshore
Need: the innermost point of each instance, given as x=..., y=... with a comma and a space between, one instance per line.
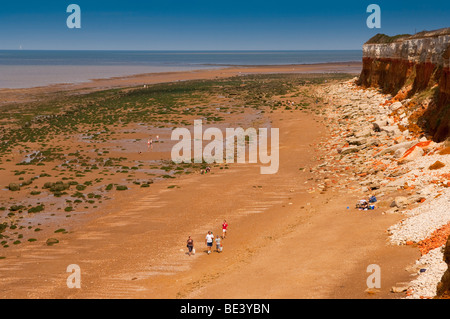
x=374, y=154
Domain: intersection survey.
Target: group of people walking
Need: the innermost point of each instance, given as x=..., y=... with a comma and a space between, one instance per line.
x=209, y=240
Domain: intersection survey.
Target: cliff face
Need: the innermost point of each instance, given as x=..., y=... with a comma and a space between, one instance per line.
x=413, y=67
x=443, y=289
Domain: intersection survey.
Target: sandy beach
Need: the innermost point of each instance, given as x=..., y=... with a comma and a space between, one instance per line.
x=292, y=235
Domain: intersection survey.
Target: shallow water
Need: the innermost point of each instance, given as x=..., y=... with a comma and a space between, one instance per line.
x=24, y=69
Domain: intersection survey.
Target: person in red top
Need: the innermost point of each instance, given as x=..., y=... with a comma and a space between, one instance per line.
x=224, y=228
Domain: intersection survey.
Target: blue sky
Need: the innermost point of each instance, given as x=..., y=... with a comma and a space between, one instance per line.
x=210, y=25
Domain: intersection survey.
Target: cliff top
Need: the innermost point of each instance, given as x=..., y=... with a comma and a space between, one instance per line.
x=384, y=39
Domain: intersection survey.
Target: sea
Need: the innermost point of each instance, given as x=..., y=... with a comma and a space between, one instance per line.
x=32, y=68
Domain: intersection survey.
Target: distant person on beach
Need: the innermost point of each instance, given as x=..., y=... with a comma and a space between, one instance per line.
x=218, y=244
x=190, y=245
x=224, y=229
x=209, y=241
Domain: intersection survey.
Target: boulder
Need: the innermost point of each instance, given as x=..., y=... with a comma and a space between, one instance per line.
x=391, y=130
x=400, y=202
x=399, y=289
x=393, y=148
x=404, y=121
x=52, y=241
x=395, y=106
x=357, y=141
x=363, y=133
x=392, y=210
x=350, y=149
x=436, y=165
x=426, y=191
x=416, y=150
x=411, y=155
x=14, y=187
x=377, y=125
x=399, y=153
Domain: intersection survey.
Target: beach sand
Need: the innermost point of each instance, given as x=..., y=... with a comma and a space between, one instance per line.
x=287, y=239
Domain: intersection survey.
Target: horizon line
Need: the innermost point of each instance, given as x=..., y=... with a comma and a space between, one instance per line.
x=186, y=50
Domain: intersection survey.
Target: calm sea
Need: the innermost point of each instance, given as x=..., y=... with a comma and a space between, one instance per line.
x=21, y=69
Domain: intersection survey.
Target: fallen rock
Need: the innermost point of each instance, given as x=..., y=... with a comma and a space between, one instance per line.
x=377, y=125
x=399, y=153
x=395, y=106
x=14, y=187
x=400, y=289
x=363, y=133
x=393, y=210
x=393, y=148
x=357, y=141
x=426, y=191
x=52, y=241
x=374, y=142
x=351, y=149
x=436, y=165
x=411, y=155
x=400, y=202
x=391, y=130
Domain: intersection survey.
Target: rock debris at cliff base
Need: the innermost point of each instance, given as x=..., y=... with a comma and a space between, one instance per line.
x=370, y=153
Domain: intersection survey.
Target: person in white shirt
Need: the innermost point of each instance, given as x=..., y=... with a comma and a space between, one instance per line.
x=209, y=241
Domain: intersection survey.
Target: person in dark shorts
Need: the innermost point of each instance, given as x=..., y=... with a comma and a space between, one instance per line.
x=209, y=241
x=190, y=245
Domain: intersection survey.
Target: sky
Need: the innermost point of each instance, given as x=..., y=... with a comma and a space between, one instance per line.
x=210, y=24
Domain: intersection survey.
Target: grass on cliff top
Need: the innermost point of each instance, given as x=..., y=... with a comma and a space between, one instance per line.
x=381, y=38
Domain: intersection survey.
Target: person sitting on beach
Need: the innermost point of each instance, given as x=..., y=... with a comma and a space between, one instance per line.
x=190, y=245
x=365, y=205
x=360, y=205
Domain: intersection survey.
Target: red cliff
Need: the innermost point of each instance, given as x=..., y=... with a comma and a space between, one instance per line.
x=415, y=70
